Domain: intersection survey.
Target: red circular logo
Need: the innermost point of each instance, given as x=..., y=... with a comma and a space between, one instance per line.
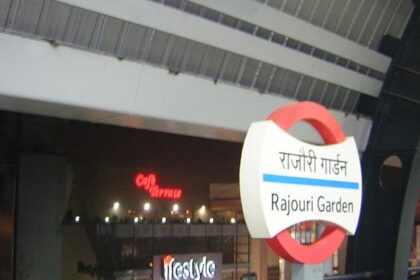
x=332, y=237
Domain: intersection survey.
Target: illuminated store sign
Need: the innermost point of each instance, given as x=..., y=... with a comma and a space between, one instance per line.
x=148, y=183
x=284, y=181
x=186, y=267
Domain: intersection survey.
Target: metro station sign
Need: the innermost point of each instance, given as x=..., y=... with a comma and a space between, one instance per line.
x=285, y=181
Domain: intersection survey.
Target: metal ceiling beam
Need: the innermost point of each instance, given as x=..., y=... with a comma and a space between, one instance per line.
x=298, y=29
x=39, y=78
x=160, y=17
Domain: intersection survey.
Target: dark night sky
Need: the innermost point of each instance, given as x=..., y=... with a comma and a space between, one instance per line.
x=105, y=160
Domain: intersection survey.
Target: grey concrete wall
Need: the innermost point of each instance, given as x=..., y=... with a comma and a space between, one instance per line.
x=76, y=247
x=40, y=211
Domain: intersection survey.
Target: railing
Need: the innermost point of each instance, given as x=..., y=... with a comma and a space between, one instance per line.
x=353, y=276
x=414, y=269
x=374, y=275
x=414, y=273
x=170, y=230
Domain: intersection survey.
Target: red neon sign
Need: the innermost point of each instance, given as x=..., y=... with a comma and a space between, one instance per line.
x=148, y=183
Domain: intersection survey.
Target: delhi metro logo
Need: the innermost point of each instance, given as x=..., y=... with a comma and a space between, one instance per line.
x=285, y=181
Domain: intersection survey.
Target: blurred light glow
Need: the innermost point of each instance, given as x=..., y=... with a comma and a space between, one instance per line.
x=211, y=220
x=106, y=219
x=147, y=206
x=232, y=220
x=163, y=220
x=136, y=220
x=202, y=209
x=116, y=206
x=188, y=220
x=175, y=207
x=77, y=219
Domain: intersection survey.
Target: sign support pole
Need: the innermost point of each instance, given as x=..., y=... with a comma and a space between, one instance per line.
x=307, y=271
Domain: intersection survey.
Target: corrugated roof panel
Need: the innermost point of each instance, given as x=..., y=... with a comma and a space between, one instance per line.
x=85, y=29
x=307, y=8
x=316, y=90
x=170, y=42
x=337, y=9
x=247, y=27
x=292, y=7
x=233, y=63
x=400, y=20
x=247, y=72
x=194, y=8
x=339, y=99
x=349, y=17
x=133, y=41
x=381, y=24
x=278, y=4
x=28, y=15
x=279, y=39
x=277, y=81
x=161, y=42
x=229, y=21
x=337, y=96
x=360, y=22
x=305, y=84
x=215, y=62
x=55, y=24
x=206, y=60
x=290, y=83
x=81, y=26
x=4, y=11
x=196, y=55
x=291, y=43
x=172, y=3
x=328, y=94
x=352, y=101
x=371, y=22
x=177, y=53
x=261, y=82
x=320, y=12
x=146, y=43
x=263, y=33
x=212, y=15
x=110, y=35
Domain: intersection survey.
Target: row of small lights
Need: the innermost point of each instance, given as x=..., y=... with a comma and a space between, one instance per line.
x=147, y=207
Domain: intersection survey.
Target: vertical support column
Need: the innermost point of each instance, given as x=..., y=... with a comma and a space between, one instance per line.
x=40, y=211
x=306, y=271
x=7, y=220
x=259, y=258
x=395, y=131
x=407, y=219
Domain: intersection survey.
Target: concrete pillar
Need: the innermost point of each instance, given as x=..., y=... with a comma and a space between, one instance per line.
x=40, y=211
x=259, y=258
x=307, y=272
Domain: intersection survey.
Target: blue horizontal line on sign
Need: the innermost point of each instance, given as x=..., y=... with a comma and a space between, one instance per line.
x=270, y=178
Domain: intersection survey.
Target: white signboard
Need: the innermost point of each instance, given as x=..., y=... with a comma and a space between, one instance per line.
x=285, y=181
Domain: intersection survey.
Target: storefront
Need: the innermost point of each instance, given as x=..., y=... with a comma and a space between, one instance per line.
x=107, y=206
x=106, y=200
